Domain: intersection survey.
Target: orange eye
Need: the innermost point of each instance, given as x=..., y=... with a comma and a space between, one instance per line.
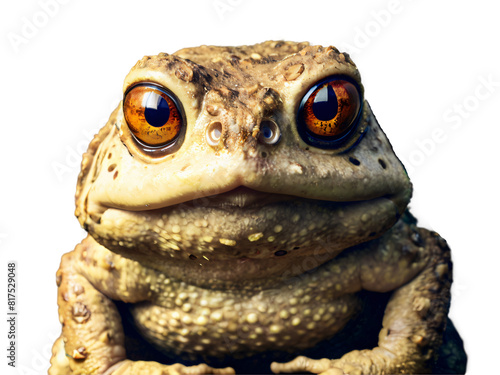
x=329, y=111
x=152, y=115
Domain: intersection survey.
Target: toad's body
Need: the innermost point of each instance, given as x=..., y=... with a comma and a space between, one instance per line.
x=241, y=226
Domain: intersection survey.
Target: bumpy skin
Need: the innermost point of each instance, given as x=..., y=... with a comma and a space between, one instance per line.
x=240, y=248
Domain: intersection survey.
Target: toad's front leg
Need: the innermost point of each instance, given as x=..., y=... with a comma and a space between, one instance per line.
x=414, y=320
x=92, y=339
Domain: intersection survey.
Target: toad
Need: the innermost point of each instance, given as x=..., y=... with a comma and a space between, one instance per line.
x=246, y=212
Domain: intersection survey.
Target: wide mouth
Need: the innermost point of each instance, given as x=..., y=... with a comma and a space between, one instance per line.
x=243, y=234
x=232, y=222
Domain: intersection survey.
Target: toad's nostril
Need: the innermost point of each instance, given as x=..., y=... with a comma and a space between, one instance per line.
x=214, y=133
x=270, y=133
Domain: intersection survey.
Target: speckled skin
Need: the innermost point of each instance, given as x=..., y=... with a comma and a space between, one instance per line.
x=235, y=248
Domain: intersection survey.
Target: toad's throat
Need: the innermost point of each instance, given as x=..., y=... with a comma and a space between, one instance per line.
x=242, y=236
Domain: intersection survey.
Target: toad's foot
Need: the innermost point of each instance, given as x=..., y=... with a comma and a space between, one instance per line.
x=354, y=363
x=127, y=367
x=301, y=364
x=60, y=366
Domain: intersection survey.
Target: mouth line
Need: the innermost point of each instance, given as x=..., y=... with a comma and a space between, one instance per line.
x=242, y=197
x=245, y=198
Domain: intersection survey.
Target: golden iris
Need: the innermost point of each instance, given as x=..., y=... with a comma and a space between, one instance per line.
x=152, y=115
x=330, y=110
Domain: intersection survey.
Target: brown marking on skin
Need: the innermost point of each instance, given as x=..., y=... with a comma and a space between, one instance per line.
x=255, y=131
x=184, y=73
x=109, y=264
x=252, y=89
x=417, y=339
x=227, y=92
x=80, y=353
x=81, y=313
x=213, y=110
x=421, y=305
x=442, y=270
x=78, y=289
x=293, y=72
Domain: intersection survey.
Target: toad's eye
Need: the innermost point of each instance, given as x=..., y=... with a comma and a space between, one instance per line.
x=152, y=114
x=329, y=111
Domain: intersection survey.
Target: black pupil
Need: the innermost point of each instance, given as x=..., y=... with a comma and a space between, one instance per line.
x=156, y=110
x=267, y=132
x=325, y=104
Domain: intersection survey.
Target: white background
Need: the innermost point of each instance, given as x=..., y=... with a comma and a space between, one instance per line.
x=423, y=63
